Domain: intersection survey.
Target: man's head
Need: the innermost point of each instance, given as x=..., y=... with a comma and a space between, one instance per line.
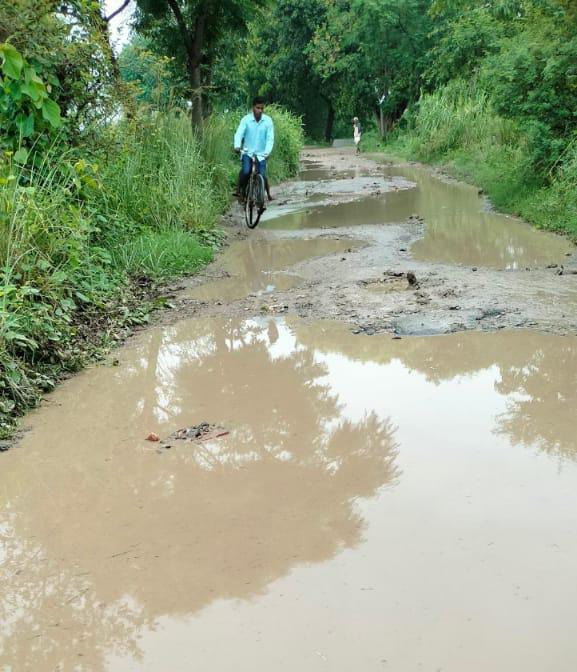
x=258, y=107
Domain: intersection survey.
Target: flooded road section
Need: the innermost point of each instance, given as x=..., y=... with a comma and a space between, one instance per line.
x=255, y=265
x=378, y=504
x=457, y=229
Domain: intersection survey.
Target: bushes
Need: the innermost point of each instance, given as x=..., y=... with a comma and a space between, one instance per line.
x=457, y=116
x=555, y=206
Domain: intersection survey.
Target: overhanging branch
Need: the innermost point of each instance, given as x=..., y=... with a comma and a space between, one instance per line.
x=118, y=11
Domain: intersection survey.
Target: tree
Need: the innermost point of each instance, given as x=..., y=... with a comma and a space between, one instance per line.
x=156, y=80
x=66, y=43
x=277, y=62
x=189, y=31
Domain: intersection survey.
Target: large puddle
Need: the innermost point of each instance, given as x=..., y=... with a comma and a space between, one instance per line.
x=255, y=265
x=379, y=504
x=458, y=227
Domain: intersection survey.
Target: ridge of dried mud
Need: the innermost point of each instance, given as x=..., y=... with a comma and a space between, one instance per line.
x=446, y=298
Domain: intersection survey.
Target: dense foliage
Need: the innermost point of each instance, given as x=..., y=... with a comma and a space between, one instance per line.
x=501, y=104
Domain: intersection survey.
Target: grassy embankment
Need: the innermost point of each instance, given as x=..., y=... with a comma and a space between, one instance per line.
x=457, y=127
x=88, y=236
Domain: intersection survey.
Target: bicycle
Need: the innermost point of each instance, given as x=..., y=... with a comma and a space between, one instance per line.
x=254, y=196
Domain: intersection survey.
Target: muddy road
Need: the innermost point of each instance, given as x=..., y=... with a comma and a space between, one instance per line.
x=475, y=269
x=379, y=494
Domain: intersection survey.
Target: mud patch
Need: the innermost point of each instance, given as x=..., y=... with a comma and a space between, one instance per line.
x=389, y=283
x=197, y=434
x=256, y=266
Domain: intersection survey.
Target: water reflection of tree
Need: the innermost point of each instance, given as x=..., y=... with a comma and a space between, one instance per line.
x=109, y=547
x=543, y=389
x=538, y=372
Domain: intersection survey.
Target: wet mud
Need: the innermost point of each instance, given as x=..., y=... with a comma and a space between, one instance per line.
x=333, y=487
x=389, y=504
x=256, y=266
x=459, y=227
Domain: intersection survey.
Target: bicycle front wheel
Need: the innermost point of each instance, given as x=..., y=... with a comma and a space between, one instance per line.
x=250, y=207
x=259, y=197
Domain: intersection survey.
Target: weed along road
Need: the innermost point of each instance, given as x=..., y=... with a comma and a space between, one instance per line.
x=387, y=479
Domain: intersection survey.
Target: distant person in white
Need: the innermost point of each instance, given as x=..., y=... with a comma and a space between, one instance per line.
x=357, y=133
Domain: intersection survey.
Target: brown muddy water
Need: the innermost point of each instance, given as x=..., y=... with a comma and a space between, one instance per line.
x=458, y=229
x=379, y=504
x=256, y=265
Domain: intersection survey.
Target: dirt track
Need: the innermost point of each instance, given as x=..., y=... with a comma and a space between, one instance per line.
x=367, y=285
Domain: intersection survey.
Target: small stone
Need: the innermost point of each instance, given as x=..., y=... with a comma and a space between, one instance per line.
x=474, y=268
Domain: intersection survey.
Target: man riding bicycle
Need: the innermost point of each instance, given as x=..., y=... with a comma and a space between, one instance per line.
x=254, y=136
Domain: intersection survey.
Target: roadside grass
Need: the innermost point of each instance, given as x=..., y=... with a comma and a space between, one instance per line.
x=371, y=142
x=456, y=126
x=163, y=254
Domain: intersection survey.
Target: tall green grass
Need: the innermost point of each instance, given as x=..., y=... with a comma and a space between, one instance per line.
x=159, y=176
x=457, y=117
x=163, y=253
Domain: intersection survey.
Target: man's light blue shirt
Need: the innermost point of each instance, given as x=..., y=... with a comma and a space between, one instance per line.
x=255, y=137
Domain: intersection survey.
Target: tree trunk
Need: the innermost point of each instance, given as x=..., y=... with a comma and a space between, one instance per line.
x=196, y=97
x=195, y=61
x=124, y=93
x=194, y=45
x=330, y=123
x=381, y=121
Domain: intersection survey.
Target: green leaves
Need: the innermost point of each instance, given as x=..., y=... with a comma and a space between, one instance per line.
x=12, y=61
x=51, y=113
x=21, y=156
x=25, y=124
x=26, y=108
